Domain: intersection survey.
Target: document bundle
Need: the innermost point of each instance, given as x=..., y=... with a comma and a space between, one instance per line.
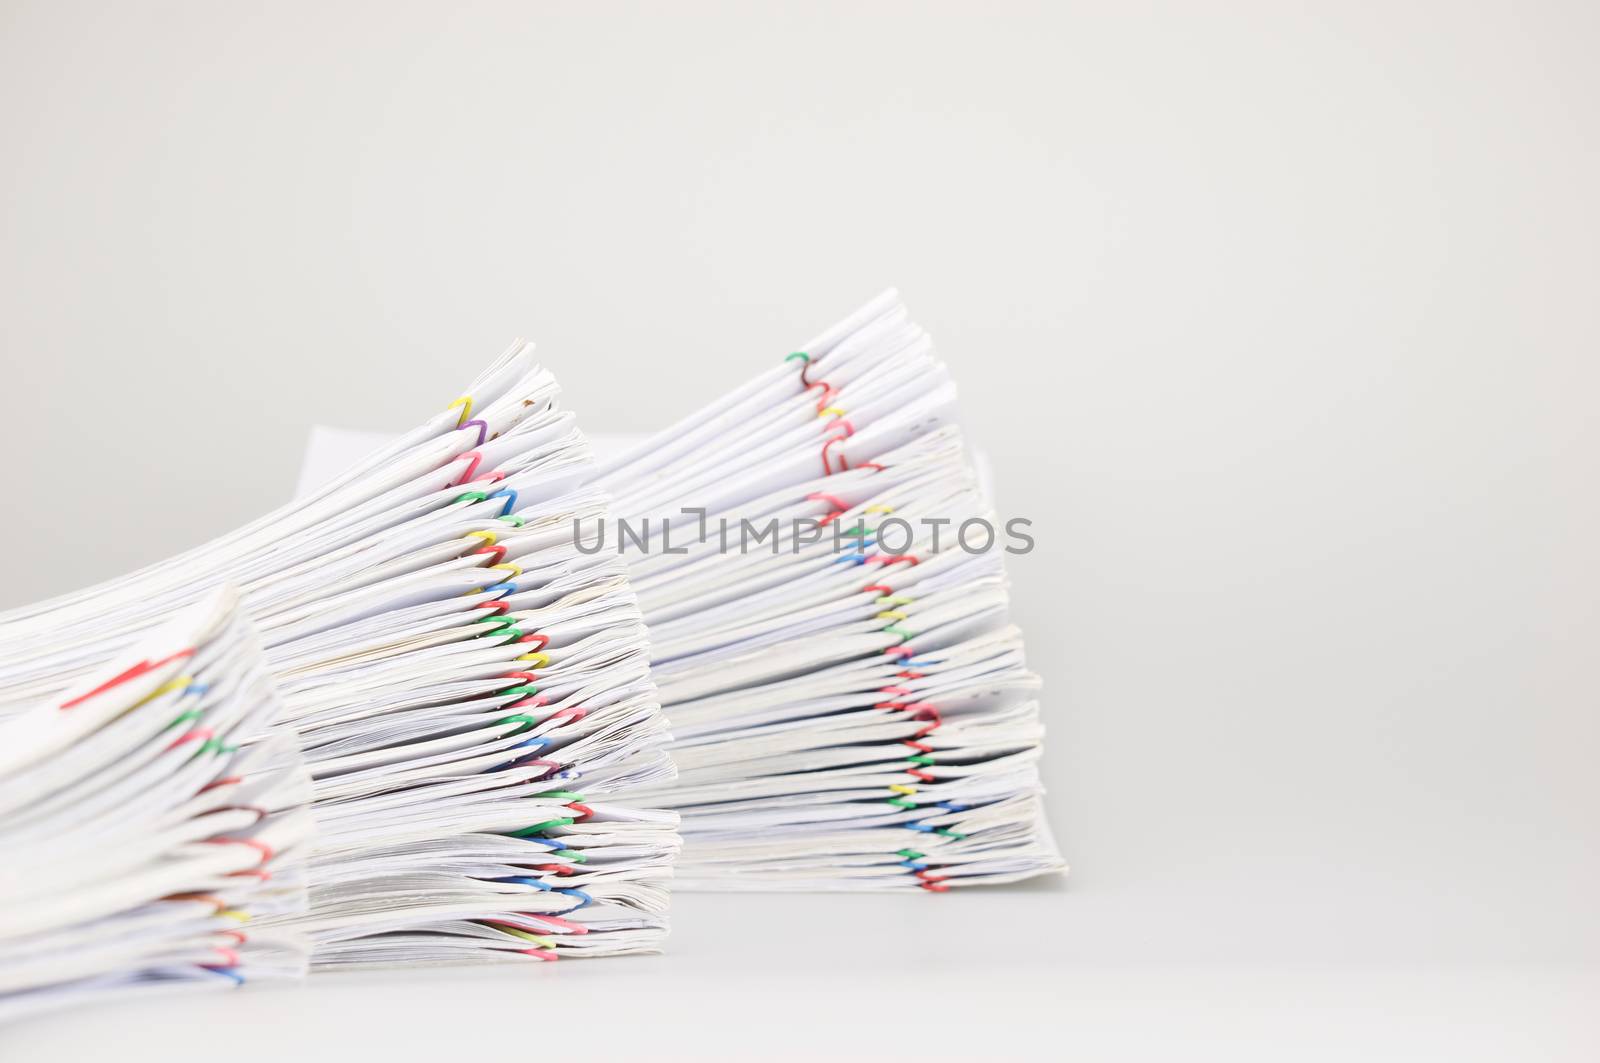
x=153, y=815
x=470, y=693
x=827, y=603
x=420, y=715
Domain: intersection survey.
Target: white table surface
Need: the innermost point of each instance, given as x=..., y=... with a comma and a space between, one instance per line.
x=1023, y=972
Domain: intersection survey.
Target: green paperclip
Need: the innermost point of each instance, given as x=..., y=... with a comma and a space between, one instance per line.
x=470, y=496
x=902, y=632
x=909, y=854
x=565, y=795
x=901, y=802
x=526, y=832
x=573, y=855
x=510, y=518
x=507, y=626
x=920, y=758
x=528, y=722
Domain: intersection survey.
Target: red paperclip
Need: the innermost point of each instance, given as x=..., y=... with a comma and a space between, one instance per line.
x=558, y=869
x=217, y=902
x=472, y=465
x=132, y=673
x=833, y=500
x=849, y=430
x=259, y=846
x=894, y=559
x=497, y=550
x=197, y=734
x=828, y=392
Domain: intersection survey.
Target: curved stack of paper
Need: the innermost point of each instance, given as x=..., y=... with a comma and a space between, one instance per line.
x=848, y=714
x=472, y=694
x=152, y=815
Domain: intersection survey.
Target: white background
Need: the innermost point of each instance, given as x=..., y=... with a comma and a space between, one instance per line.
x=1279, y=321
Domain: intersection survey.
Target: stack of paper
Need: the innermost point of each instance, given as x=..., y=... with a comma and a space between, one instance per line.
x=471, y=692
x=151, y=814
x=824, y=586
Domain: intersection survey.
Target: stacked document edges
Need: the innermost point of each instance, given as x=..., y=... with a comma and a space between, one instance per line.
x=824, y=585
x=153, y=817
x=471, y=693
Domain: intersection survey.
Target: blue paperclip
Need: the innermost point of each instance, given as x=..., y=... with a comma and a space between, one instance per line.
x=538, y=744
x=510, y=497
x=584, y=900
x=521, y=880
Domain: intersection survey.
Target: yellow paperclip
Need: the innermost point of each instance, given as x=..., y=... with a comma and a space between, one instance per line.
x=909, y=791
x=830, y=409
x=544, y=942
x=514, y=569
x=878, y=509
x=177, y=682
x=465, y=402
x=540, y=659
x=891, y=614
x=487, y=536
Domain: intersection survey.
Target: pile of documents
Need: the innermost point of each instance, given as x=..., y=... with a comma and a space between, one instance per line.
x=152, y=816
x=420, y=715
x=823, y=582
x=470, y=693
